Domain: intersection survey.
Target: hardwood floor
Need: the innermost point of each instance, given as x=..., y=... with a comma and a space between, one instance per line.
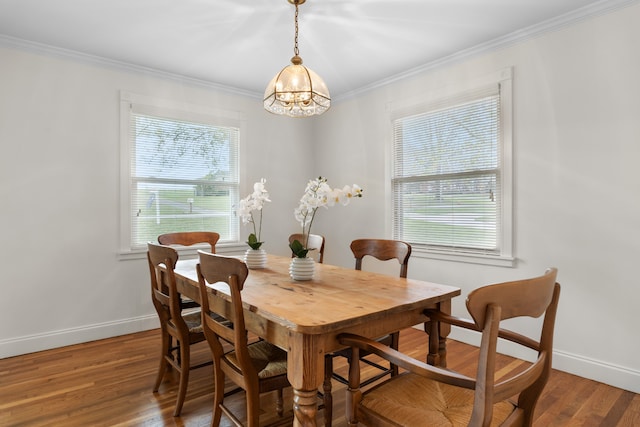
x=109, y=382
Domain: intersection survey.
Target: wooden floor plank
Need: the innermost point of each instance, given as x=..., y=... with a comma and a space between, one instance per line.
x=627, y=409
x=597, y=406
x=109, y=382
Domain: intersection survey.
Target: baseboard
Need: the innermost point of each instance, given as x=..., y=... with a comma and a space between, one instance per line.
x=597, y=370
x=45, y=341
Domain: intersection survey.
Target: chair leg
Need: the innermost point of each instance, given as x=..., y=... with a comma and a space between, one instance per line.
x=395, y=342
x=353, y=388
x=218, y=394
x=169, y=352
x=253, y=408
x=162, y=368
x=184, y=378
x=326, y=389
x=279, y=403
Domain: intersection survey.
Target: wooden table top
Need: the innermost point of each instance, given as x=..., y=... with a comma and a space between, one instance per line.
x=334, y=298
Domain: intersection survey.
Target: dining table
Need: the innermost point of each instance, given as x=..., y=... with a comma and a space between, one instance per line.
x=305, y=318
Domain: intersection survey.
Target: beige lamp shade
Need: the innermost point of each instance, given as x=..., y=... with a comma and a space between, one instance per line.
x=297, y=91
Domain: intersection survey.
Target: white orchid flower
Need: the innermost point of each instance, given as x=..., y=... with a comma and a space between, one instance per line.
x=317, y=194
x=254, y=202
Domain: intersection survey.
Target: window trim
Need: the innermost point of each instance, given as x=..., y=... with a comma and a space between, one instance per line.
x=177, y=110
x=445, y=95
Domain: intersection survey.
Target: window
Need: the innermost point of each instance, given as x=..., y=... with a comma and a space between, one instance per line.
x=451, y=178
x=181, y=174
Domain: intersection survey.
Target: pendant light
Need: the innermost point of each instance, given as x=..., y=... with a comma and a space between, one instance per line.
x=296, y=91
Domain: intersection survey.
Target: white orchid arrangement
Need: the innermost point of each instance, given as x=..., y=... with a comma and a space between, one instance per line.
x=319, y=194
x=254, y=202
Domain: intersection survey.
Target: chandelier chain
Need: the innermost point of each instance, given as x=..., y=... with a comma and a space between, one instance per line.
x=295, y=45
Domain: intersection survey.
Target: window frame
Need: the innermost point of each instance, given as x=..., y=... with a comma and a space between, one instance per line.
x=447, y=97
x=179, y=111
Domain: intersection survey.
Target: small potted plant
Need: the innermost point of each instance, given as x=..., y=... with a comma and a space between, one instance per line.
x=317, y=194
x=255, y=256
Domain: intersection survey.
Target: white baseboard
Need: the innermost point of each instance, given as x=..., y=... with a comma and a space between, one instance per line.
x=597, y=370
x=45, y=341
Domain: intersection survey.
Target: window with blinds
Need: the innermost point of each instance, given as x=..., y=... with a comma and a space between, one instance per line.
x=183, y=174
x=448, y=181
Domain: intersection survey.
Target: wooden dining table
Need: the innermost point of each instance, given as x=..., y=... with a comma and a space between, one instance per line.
x=304, y=318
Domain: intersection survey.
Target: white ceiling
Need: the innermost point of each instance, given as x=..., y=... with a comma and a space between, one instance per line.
x=352, y=44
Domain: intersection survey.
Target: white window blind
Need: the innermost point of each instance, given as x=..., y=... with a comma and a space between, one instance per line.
x=183, y=174
x=447, y=183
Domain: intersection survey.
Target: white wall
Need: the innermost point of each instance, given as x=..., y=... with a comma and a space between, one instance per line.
x=62, y=279
x=576, y=150
x=577, y=182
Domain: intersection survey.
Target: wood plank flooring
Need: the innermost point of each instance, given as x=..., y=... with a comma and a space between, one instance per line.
x=109, y=382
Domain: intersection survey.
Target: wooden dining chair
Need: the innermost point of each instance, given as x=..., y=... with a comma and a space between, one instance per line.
x=315, y=243
x=190, y=238
x=185, y=329
x=435, y=396
x=382, y=250
x=256, y=367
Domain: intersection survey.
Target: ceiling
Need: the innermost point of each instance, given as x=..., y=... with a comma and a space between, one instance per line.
x=352, y=44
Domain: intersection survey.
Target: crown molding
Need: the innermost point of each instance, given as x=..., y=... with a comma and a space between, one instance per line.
x=44, y=49
x=599, y=8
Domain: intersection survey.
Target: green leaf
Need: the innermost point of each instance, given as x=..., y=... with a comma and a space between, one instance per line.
x=253, y=242
x=298, y=250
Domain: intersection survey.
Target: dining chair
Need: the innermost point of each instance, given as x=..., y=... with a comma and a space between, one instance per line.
x=315, y=243
x=382, y=250
x=256, y=367
x=190, y=238
x=435, y=396
x=184, y=328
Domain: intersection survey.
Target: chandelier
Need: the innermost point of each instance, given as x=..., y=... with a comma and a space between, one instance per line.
x=296, y=91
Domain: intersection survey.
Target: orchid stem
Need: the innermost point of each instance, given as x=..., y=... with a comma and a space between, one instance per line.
x=253, y=221
x=306, y=243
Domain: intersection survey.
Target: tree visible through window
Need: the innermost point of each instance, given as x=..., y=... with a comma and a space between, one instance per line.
x=183, y=177
x=448, y=177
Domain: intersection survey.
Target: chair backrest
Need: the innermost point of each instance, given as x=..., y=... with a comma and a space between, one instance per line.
x=315, y=243
x=164, y=294
x=189, y=238
x=213, y=269
x=382, y=250
x=484, y=400
x=491, y=304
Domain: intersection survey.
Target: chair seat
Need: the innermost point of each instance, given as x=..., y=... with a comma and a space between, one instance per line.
x=403, y=396
x=194, y=322
x=267, y=359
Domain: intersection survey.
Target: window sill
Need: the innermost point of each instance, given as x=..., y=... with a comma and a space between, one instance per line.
x=466, y=257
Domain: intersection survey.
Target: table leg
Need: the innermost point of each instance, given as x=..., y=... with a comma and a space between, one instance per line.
x=305, y=363
x=438, y=334
x=445, y=330
x=433, y=329
x=305, y=407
